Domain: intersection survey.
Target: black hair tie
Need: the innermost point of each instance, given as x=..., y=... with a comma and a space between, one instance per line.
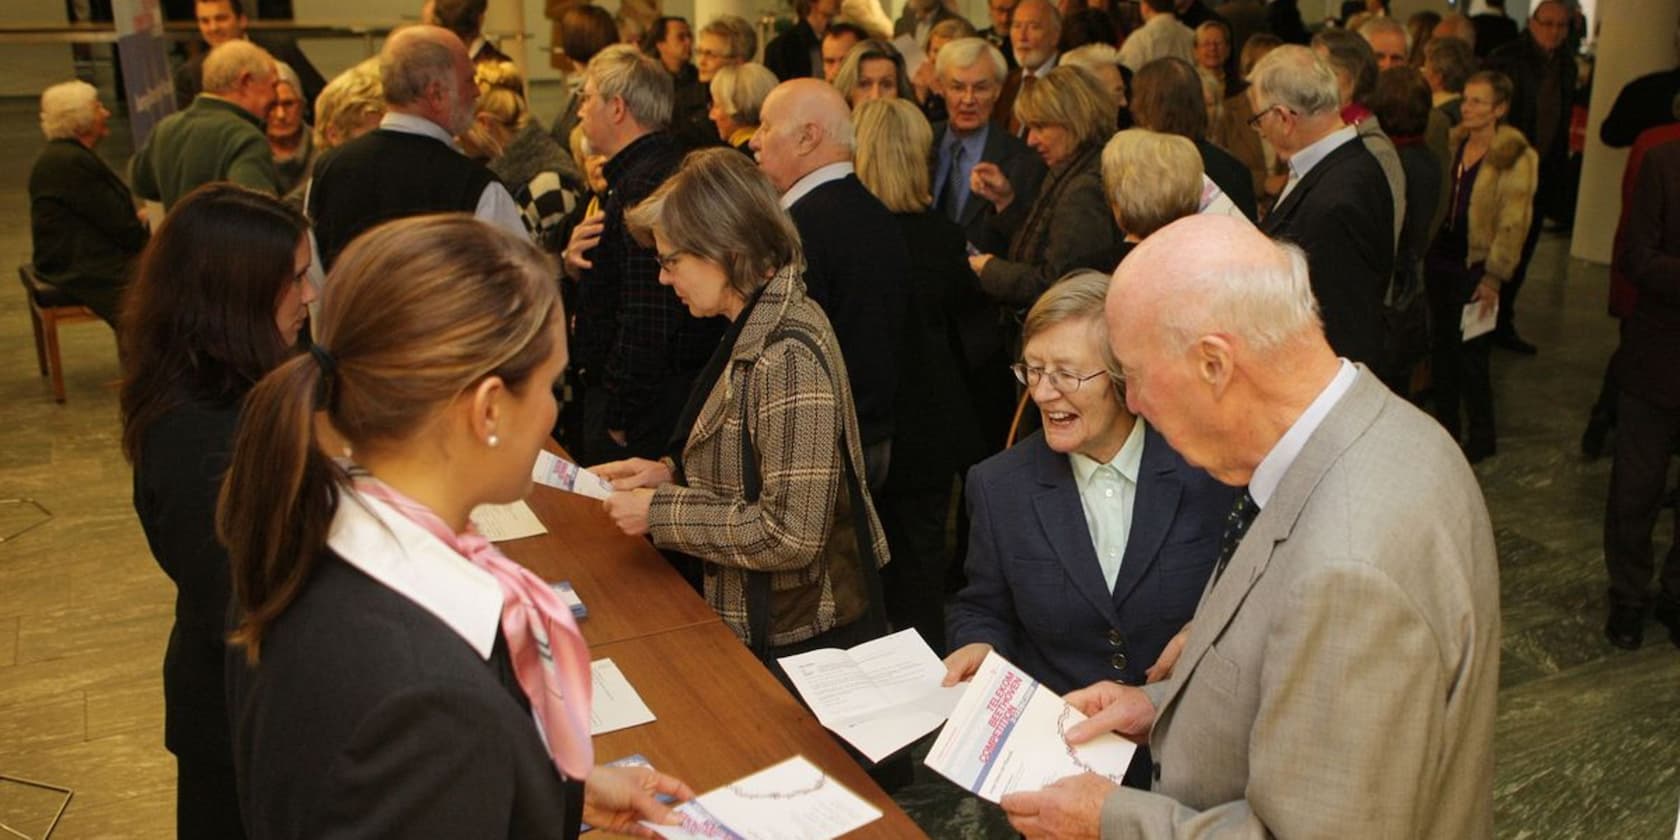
x=324, y=389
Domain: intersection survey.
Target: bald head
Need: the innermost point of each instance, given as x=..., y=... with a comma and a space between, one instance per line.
x=1218, y=335
x=425, y=71
x=804, y=124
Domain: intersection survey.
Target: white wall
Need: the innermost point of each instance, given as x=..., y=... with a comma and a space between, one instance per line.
x=28, y=70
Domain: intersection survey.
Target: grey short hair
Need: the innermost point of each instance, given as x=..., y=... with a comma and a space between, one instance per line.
x=740, y=90
x=288, y=76
x=1266, y=303
x=1385, y=24
x=964, y=52
x=1151, y=179
x=734, y=29
x=67, y=109
x=417, y=63
x=1298, y=79
x=622, y=72
x=1092, y=56
x=227, y=63
x=1077, y=296
x=1453, y=59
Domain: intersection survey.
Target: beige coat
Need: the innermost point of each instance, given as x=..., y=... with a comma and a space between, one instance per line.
x=1501, y=203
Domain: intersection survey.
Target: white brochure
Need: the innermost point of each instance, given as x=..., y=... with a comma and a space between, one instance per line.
x=500, y=523
x=793, y=800
x=562, y=474
x=614, y=704
x=880, y=696
x=1007, y=734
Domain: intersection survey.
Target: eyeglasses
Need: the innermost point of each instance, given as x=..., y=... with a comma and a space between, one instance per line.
x=1062, y=380
x=1254, y=121
x=669, y=261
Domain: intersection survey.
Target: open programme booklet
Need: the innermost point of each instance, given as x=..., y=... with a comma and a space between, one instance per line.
x=880, y=696
x=793, y=800
x=1007, y=734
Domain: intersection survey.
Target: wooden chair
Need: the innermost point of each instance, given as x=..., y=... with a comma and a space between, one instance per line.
x=49, y=307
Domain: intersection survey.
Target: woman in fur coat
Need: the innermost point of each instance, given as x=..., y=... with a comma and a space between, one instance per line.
x=1479, y=244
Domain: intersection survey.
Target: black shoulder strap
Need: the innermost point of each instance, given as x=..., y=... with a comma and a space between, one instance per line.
x=758, y=583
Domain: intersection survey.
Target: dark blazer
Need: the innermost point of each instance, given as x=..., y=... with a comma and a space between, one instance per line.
x=1493, y=30
x=369, y=717
x=906, y=23
x=1035, y=590
x=788, y=55
x=1066, y=222
x=1342, y=215
x=1650, y=252
x=1019, y=163
x=82, y=221
x=1231, y=176
x=183, y=455
x=935, y=433
x=856, y=265
x=1645, y=102
x=1526, y=65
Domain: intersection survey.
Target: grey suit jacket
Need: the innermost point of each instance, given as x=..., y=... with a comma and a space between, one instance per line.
x=1339, y=679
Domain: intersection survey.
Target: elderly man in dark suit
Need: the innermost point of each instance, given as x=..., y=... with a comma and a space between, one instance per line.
x=1336, y=204
x=1035, y=34
x=1648, y=412
x=856, y=262
x=1340, y=675
x=81, y=215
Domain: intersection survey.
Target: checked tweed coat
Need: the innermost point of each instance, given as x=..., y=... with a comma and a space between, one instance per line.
x=800, y=529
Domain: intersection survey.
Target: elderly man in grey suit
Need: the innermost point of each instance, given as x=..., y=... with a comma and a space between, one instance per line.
x=1340, y=672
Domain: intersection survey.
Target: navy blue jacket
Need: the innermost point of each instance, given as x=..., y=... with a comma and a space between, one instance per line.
x=1035, y=590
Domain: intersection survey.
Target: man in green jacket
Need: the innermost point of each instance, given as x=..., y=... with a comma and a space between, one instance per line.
x=220, y=136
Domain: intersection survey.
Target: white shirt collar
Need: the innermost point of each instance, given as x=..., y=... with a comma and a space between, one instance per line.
x=1304, y=160
x=411, y=124
x=813, y=179
x=1272, y=468
x=410, y=561
x=1127, y=461
x=1048, y=65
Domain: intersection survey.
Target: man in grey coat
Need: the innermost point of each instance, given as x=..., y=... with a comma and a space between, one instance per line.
x=1340, y=672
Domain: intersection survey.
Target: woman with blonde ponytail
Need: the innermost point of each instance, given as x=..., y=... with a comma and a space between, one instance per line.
x=392, y=674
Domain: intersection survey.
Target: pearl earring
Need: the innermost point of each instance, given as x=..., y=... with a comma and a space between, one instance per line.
x=493, y=441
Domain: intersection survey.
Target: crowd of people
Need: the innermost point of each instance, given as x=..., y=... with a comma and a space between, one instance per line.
x=796, y=310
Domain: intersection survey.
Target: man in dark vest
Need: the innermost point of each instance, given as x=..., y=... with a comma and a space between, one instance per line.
x=635, y=347
x=410, y=164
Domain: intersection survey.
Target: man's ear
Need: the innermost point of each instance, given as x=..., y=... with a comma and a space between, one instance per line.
x=1214, y=357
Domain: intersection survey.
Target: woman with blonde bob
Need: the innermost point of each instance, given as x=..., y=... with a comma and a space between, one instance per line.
x=767, y=491
x=396, y=675
x=738, y=92
x=1151, y=179
x=935, y=435
x=1068, y=117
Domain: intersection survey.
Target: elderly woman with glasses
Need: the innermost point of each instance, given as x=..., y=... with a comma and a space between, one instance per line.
x=1090, y=541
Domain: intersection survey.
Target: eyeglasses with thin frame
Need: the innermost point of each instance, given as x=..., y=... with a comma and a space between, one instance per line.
x=1065, y=381
x=669, y=261
x=1254, y=121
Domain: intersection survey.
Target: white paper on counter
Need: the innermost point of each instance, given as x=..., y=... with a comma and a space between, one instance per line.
x=1006, y=735
x=793, y=800
x=879, y=696
x=614, y=704
x=500, y=523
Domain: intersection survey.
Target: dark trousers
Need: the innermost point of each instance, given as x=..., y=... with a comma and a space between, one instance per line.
x=1459, y=368
x=206, y=800
x=914, y=519
x=1552, y=178
x=647, y=435
x=1645, y=437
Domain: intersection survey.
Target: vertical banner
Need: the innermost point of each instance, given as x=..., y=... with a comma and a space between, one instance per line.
x=145, y=65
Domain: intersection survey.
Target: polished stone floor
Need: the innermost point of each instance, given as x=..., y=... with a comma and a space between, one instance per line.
x=1588, y=740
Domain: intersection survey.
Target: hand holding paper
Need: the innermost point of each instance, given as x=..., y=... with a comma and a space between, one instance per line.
x=880, y=696
x=562, y=474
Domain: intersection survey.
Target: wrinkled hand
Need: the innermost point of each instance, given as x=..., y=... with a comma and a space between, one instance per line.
x=989, y=182
x=617, y=798
x=1163, y=666
x=629, y=510
x=1486, y=294
x=585, y=237
x=1111, y=707
x=1068, y=808
x=977, y=262
x=632, y=473
x=963, y=662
